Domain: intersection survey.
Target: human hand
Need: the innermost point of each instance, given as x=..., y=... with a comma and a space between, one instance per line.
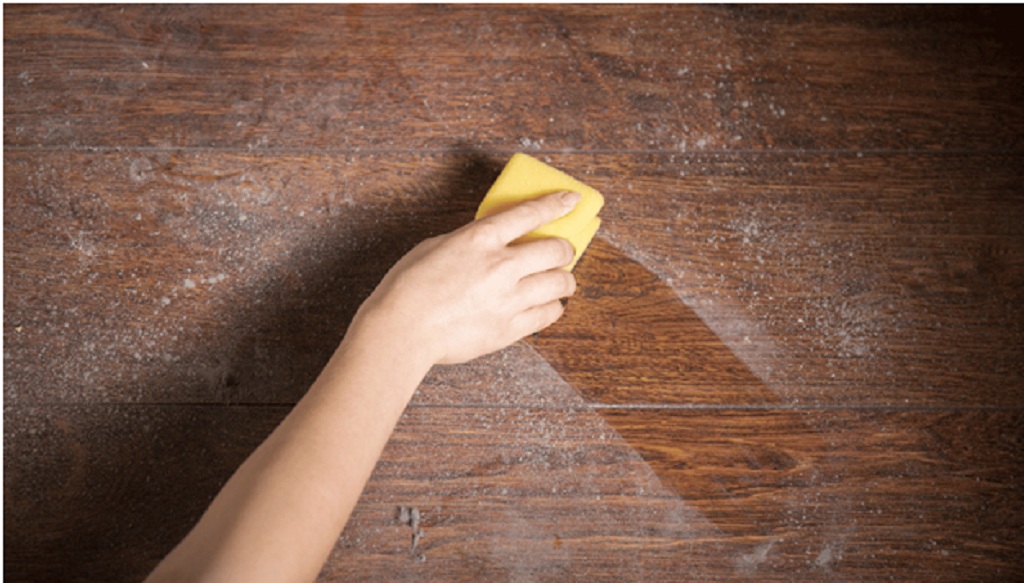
x=473, y=291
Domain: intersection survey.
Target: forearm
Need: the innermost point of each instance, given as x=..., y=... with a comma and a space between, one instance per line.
x=451, y=299
x=278, y=517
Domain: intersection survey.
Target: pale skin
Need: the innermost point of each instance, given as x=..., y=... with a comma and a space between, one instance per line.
x=451, y=299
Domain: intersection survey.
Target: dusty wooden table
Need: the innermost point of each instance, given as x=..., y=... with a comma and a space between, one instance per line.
x=797, y=351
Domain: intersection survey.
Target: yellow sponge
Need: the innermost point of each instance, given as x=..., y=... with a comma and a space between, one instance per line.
x=526, y=178
x=580, y=241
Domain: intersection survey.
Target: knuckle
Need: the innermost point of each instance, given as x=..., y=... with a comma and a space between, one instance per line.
x=569, y=283
x=560, y=250
x=484, y=233
x=534, y=210
x=553, y=312
x=568, y=250
x=505, y=265
x=546, y=315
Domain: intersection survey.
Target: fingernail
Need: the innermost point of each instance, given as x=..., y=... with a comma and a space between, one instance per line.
x=571, y=198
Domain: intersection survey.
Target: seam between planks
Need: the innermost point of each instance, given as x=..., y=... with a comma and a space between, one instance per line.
x=508, y=151
x=584, y=407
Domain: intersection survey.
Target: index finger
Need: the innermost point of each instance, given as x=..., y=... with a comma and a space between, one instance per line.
x=532, y=214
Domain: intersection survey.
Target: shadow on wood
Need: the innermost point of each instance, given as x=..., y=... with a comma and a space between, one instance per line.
x=279, y=345
x=85, y=483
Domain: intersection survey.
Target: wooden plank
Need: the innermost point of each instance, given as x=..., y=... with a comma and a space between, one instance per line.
x=733, y=279
x=795, y=354
x=83, y=484
x=553, y=78
x=882, y=279
x=545, y=493
x=122, y=269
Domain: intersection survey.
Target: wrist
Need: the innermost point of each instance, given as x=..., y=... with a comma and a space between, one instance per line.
x=371, y=370
x=388, y=340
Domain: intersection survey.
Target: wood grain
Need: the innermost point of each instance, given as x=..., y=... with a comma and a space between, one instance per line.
x=795, y=353
x=554, y=78
x=539, y=493
x=822, y=279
